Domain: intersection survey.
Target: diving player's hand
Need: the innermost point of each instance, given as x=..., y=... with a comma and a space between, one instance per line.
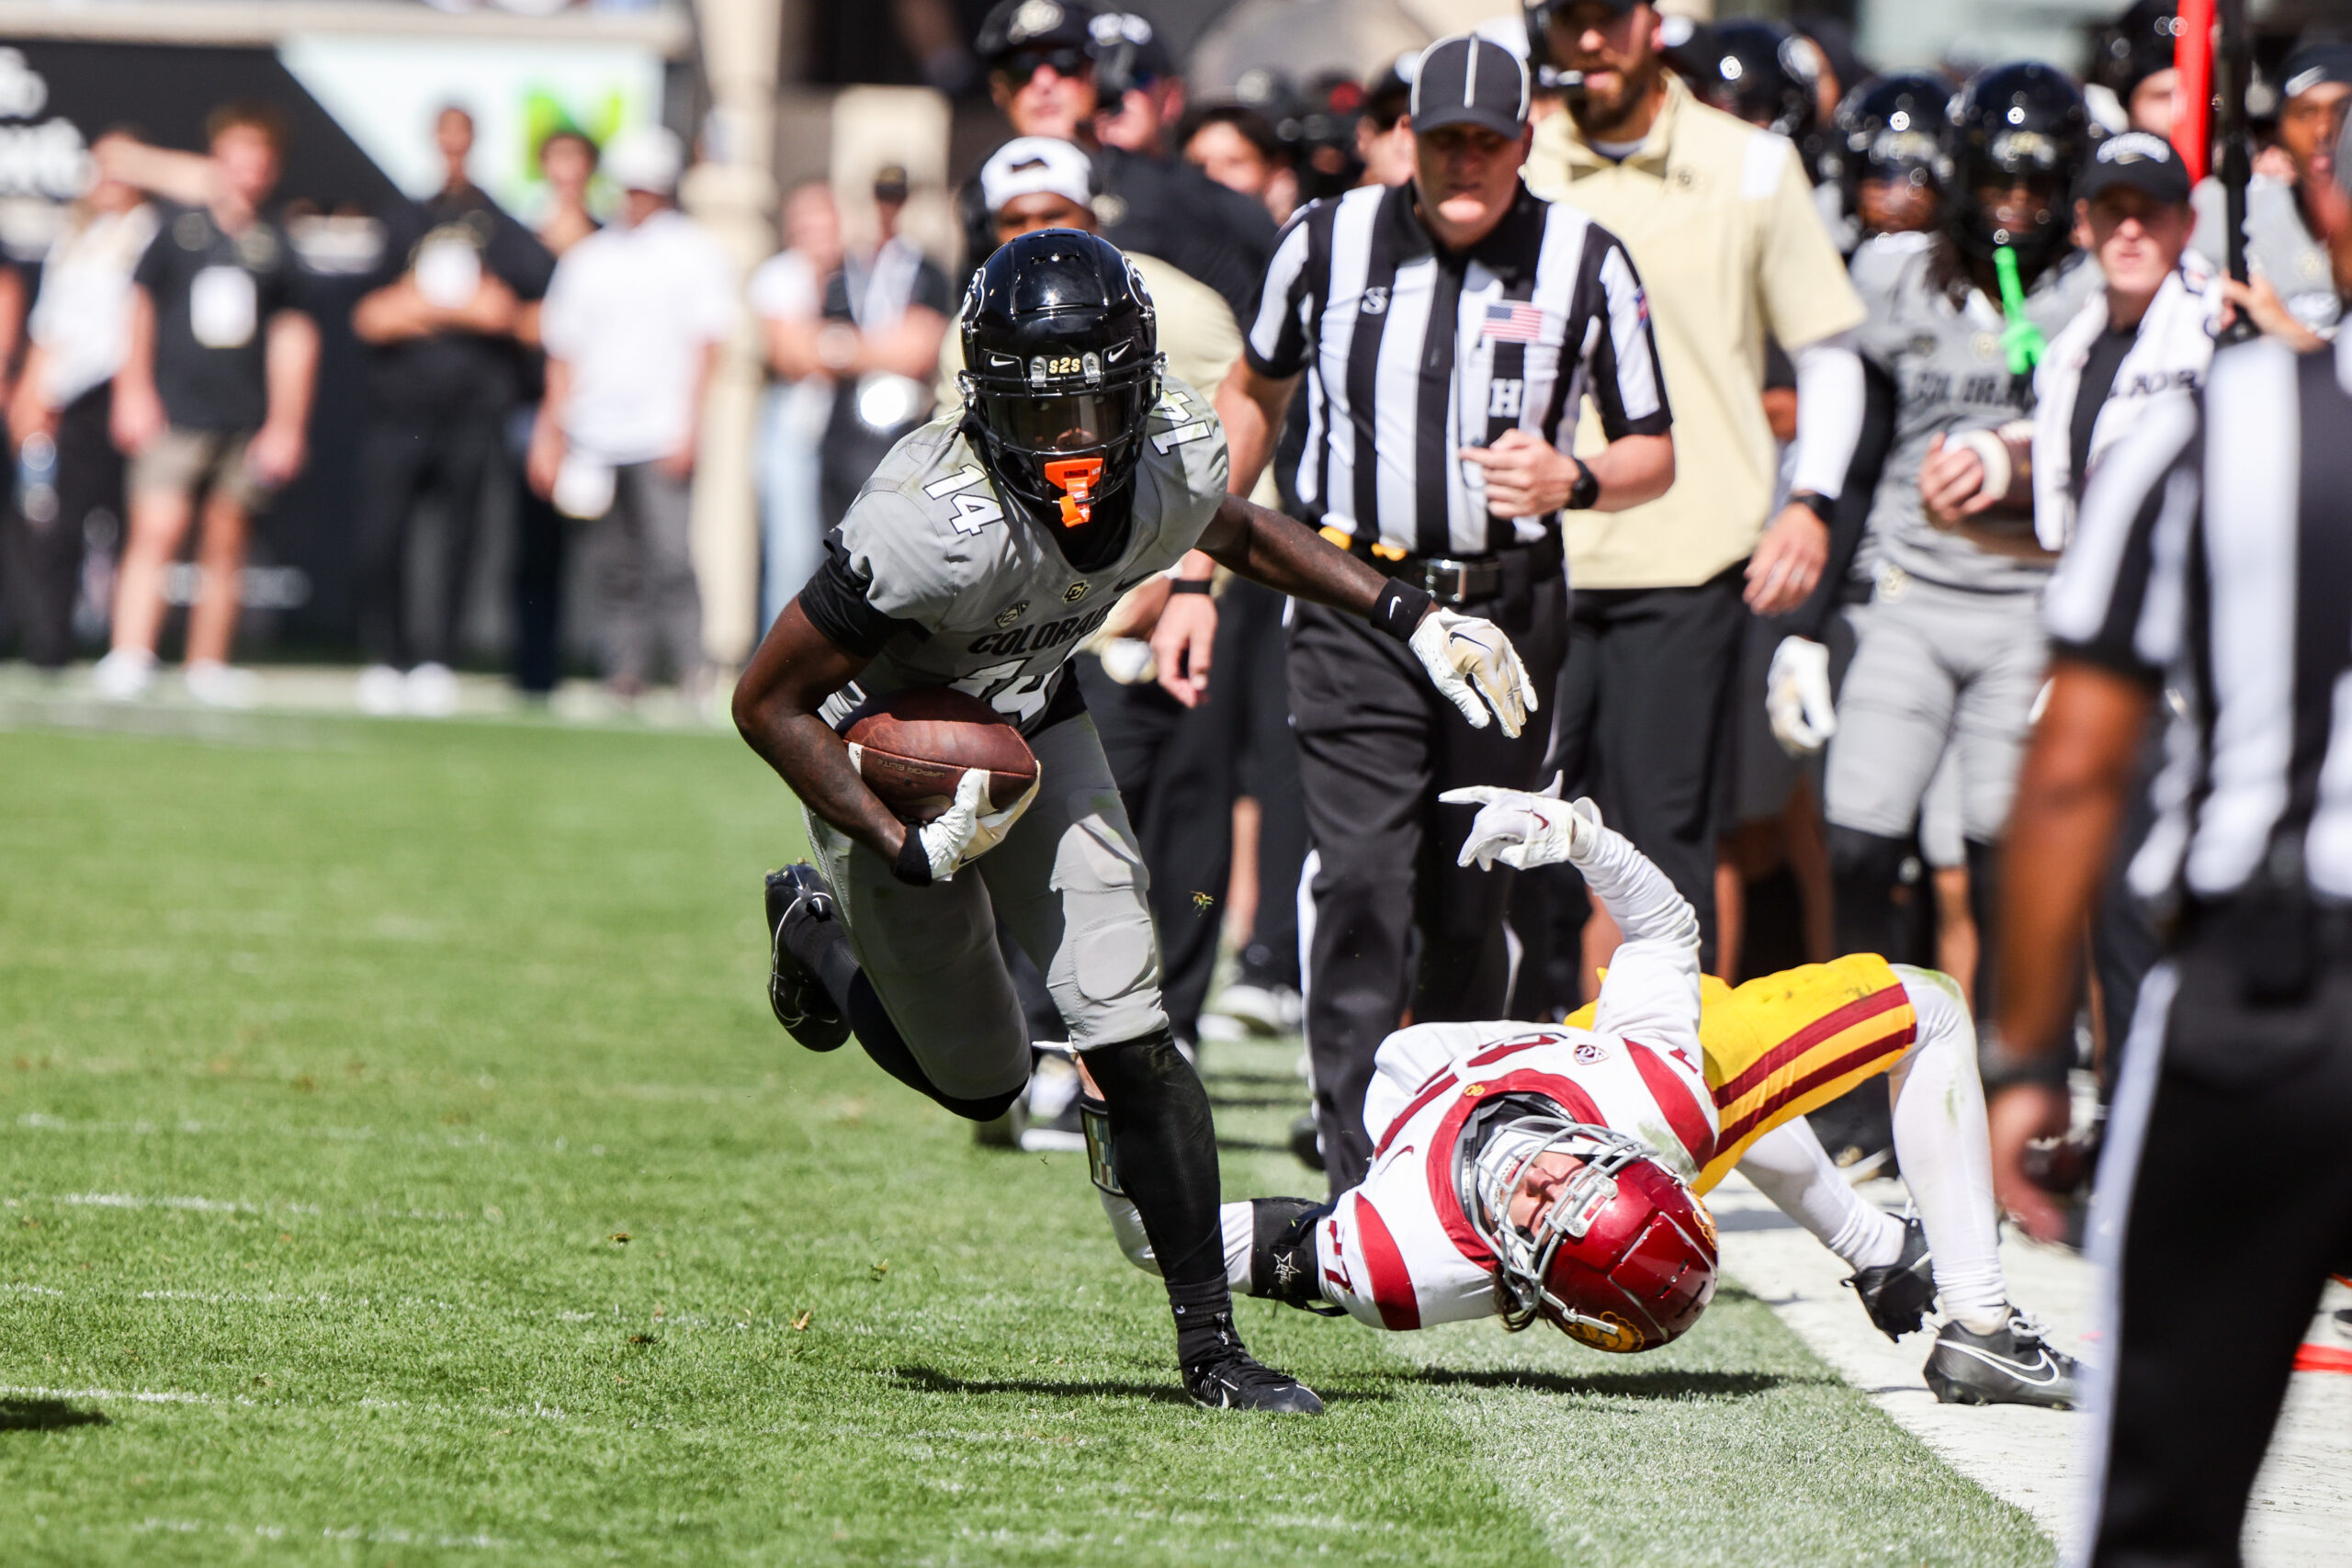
x=1796, y=697
x=1524, y=830
x=1462, y=652
x=967, y=830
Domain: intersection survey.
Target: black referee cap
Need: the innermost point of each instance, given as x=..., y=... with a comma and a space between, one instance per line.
x=1469, y=80
x=2137, y=159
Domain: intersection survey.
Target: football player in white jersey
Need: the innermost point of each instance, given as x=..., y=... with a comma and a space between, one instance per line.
x=1558, y=1171
x=983, y=550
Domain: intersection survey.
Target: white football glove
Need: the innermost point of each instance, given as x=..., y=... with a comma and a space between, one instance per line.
x=967, y=830
x=1796, y=697
x=1523, y=830
x=1462, y=652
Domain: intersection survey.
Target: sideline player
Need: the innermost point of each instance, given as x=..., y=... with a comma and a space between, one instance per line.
x=1951, y=651
x=980, y=555
x=1555, y=1171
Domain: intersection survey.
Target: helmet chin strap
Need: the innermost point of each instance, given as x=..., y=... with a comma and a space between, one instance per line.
x=1076, y=478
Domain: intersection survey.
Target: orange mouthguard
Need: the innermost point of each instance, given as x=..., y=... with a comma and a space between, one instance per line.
x=1076, y=477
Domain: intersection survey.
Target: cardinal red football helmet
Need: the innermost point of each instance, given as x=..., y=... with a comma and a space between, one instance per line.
x=1622, y=1259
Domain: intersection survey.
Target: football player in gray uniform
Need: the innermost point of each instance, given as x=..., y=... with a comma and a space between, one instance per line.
x=982, y=551
x=2285, y=249
x=1950, y=654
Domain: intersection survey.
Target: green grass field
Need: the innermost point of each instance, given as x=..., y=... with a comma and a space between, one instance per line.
x=401, y=1165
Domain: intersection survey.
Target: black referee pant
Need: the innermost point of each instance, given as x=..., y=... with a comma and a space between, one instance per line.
x=1376, y=746
x=1642, y=722
x=2227, y=1147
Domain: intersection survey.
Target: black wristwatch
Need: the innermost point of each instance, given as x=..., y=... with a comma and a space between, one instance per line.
x=1820, y=505
x=1586, y=489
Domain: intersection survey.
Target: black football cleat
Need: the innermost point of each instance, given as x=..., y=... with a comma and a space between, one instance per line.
x=1898, y=1294
x=2011, y=1366
x=794, y=895
x=1232, y=1379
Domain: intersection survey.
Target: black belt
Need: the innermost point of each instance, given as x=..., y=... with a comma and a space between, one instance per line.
x=1454, y=581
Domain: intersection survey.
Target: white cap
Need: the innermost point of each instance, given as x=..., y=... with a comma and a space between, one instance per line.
x=645, y=157
x=1027, y=165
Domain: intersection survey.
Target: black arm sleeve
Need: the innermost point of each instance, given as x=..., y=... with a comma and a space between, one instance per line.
x=834, y=601
x=1851, y=513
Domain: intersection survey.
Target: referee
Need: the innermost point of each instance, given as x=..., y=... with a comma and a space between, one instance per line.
x=2212, y=551
x=1448, y=329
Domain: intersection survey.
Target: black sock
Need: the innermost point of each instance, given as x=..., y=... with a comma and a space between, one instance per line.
x=1984, y=907
x=823, y=945
x=1864, y=869
x=1164, y=1144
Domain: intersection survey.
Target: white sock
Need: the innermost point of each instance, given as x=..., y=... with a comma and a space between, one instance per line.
x=1946, y=1154
x=1790, y=1167
x=1238, y=1222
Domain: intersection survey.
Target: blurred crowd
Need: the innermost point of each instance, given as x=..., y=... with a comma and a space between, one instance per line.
x=162, y=364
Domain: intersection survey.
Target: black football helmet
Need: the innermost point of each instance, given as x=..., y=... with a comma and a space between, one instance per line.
x=1892, y=128
x=1061, y=363
x=1761, y=71
x=2023, y=123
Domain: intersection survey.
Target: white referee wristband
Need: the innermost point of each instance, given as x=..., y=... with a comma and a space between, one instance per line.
x=1992, y=453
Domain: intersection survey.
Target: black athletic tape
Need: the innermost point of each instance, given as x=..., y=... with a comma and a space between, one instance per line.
x=1190, y=585
x=913, y=864
x=1399, y=609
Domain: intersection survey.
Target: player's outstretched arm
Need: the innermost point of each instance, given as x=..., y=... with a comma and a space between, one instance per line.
x=791, y=674
x=1469, y=659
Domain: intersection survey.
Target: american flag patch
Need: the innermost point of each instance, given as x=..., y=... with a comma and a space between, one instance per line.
x=1514, y=320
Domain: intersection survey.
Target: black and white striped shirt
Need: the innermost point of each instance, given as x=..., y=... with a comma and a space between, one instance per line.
x=2214, y=551
x=1412, y=353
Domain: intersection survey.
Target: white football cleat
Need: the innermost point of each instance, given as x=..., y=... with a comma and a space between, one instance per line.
x=219, y=685
x=430, y=691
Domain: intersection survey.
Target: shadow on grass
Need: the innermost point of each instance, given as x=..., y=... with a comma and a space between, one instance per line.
x=930, y=1380
x=46, y=1415
x=1663, y=1383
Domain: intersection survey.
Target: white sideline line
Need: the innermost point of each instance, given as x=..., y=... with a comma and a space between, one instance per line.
x=2034, y=1458
x=136, y=1395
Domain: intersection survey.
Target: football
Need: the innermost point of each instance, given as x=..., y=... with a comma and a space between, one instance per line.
x=912, y=747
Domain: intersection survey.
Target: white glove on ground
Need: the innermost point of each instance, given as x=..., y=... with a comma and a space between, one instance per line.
x=1461, y=652
x=966, y=830
x=1796, y=697
x=1524, y=830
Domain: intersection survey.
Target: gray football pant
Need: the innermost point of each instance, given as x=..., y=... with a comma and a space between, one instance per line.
x=1070, y=884
x=641, y=557
x=1936, y=670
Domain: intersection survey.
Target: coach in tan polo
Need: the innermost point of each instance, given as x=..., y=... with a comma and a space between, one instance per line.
x=1719, y=221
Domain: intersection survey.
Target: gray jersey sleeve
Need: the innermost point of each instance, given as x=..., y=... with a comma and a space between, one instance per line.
x=902, y=544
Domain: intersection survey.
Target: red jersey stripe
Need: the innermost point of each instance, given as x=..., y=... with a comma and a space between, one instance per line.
x=1810, y=1035
x=1888, y=1044
x=1392, y=1282
x=1437, y=1086
x=1672, y=1092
